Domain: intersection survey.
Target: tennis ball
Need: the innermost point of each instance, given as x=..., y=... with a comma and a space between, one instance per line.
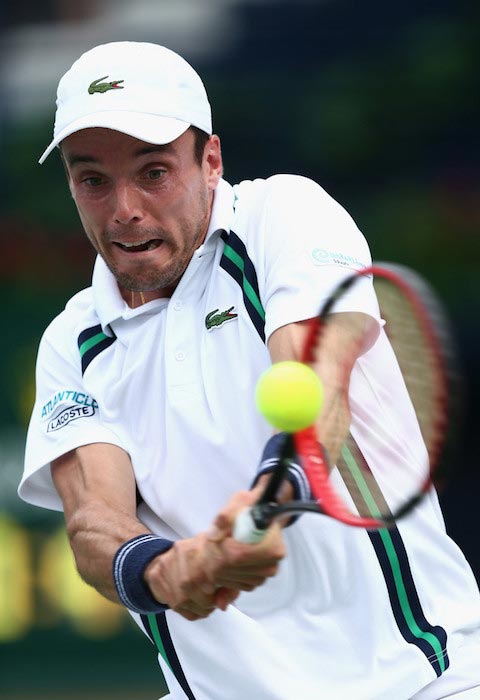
x=289, y=395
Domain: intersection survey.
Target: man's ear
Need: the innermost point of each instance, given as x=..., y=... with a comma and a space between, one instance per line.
x=212, y=160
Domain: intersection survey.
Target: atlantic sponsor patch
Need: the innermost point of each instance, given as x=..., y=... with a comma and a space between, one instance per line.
x=68, y=415
x=68, y=397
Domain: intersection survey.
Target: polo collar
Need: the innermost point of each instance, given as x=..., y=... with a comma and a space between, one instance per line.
x=109, y=303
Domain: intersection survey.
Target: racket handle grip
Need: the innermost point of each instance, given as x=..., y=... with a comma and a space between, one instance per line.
x=245, y=529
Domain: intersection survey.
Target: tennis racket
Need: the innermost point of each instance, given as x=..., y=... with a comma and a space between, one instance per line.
x=421, y=357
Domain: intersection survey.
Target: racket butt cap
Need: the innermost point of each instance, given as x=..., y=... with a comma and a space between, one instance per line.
x=245, y=530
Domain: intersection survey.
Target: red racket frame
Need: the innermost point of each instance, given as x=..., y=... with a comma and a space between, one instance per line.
x=307, y=442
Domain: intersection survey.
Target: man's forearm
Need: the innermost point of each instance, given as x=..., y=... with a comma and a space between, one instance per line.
x=95, y=533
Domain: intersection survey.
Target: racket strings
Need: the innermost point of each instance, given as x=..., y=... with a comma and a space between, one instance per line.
x=417, y=356
x=347, y=486
x=340, y=339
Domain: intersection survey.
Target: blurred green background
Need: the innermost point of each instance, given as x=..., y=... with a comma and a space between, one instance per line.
x=376, y=101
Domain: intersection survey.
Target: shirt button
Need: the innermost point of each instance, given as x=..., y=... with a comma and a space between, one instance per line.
x=178, y=305
x=180, y=355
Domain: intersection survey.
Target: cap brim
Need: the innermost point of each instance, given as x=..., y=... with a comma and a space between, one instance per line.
x=150, y=128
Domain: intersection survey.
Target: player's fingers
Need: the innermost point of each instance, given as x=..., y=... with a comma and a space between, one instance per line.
x=267, y=552
x=225, y=596
x=244, y=585
x=193, y=606
x=235, y=578
x=260, y=565
x=223, y=523
x=200, y=594
x=243, y=576
x=238, y=576
x=208, y=588
x=192, y=616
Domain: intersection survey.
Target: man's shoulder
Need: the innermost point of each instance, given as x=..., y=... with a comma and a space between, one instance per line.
x=283, y=186
x=283, y=202
x=280, y=197
x=78, y=314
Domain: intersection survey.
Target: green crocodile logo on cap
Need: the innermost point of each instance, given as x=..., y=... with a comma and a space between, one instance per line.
x=97, y=86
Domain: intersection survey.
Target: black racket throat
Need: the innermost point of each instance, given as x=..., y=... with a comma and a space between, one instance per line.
x=287, y=455
x=263, y=514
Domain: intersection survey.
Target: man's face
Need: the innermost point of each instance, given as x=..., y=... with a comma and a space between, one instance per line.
x=145, y=208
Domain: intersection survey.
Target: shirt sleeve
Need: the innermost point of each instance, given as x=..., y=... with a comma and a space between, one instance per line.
x=64, y=416
x=310, y=245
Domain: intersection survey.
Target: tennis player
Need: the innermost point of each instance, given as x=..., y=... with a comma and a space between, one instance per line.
x=144, y=430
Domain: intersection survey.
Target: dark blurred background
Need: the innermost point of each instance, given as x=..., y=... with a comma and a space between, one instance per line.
x=376, y=101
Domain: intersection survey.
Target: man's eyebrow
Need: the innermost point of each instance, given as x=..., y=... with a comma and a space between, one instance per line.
x=160, y=148
x=75, y=159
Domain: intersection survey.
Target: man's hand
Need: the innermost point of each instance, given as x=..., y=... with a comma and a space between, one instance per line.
x=206, y=572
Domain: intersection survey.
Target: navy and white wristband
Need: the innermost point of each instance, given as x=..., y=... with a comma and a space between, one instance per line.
x=129, y=565
x=295, y=474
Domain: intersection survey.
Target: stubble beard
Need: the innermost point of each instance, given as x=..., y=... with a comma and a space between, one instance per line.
x=148, y=278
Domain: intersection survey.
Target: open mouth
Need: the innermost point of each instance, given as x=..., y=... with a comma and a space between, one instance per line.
x=139, y=247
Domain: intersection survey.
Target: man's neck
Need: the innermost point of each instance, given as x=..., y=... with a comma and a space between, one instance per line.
x=135, y=299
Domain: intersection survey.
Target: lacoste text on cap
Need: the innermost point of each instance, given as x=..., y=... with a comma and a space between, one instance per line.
x=143, y=90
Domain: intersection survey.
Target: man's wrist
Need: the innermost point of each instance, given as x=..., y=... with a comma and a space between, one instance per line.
x=129, y=565
x=154, y=576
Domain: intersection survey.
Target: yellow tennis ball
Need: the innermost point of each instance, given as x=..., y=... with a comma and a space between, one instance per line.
x=289, y=395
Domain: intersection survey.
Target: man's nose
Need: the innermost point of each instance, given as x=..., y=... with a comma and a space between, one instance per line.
x=127, y=204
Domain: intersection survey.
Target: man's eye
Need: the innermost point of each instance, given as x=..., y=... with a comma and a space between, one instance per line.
x=93, y=181
x=155, y=174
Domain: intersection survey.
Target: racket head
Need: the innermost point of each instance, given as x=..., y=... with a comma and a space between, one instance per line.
x=427, y=387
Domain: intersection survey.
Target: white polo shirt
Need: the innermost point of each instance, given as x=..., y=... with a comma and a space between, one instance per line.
x=351, y=614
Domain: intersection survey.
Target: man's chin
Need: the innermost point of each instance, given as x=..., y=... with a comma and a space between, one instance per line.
x=147, y=282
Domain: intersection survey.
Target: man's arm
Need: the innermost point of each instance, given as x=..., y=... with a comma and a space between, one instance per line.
x=97, y=486
x=340, y=347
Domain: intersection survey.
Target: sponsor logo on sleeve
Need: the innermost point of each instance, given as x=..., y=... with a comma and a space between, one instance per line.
x=322, y=256
x=66, y=406
x=68, y=415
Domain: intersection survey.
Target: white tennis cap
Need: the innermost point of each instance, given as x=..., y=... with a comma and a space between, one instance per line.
x=140, y=89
